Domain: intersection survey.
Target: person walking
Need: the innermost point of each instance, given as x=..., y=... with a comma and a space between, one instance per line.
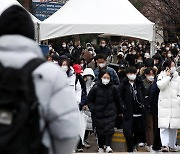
x=132, y=95
x=57, y=106
x=103, y=102
x=101, y=61
x=168, y=105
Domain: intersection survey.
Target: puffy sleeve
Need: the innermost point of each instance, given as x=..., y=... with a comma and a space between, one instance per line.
x=163, y=81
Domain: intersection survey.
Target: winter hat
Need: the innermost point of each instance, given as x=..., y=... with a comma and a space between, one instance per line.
x=16, y=20
x=77, y=68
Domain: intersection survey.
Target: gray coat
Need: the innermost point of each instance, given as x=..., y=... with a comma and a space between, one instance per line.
x=57, y=101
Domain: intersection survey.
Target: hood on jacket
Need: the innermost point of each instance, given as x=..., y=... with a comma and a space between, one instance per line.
x=88, y=71
x=16, y=20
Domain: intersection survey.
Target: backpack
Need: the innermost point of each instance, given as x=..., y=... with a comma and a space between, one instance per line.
x=19, y=113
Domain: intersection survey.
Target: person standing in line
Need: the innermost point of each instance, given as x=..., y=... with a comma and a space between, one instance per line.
x=169, y=105
x=104, y=103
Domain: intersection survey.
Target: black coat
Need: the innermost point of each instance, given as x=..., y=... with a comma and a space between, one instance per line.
x=127, y=97
x=104, y=50
x=104, y=103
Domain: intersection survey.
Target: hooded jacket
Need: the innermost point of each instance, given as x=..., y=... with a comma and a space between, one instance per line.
x=57, y=101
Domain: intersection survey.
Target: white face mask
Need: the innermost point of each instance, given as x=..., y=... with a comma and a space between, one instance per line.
x=133, y=52
x=103, y=45
x=102, y=65
x=167, y=49
x=173, y=69
x=64, y=45
x=105, y=81
x=89, y=78
x=139, y=61
x=140, y=46
x=150, y=78
x=147, y=55
x=64, y=68
x=82, y=65
x=131, y=77
x=169, y=55
x=124, y=47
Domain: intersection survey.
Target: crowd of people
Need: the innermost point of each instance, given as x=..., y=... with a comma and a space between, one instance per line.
x=119, y=85
x=123, y=86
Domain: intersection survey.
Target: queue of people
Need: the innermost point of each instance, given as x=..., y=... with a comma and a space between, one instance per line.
x=143, y=90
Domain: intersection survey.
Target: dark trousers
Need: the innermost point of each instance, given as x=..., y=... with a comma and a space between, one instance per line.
x=134, y=132
x=156, y=132
x=104, y=140
x=149, y=129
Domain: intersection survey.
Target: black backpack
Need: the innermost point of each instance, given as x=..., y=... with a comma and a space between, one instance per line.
x=19, y=112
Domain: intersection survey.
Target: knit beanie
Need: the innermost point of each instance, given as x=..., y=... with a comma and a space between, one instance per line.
x=16, y=20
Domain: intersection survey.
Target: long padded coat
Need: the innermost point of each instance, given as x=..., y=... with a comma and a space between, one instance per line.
x=169, y=101
x=103, y=101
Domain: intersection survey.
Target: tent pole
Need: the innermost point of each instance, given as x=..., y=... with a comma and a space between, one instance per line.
x=38, y=33
x=152, y=43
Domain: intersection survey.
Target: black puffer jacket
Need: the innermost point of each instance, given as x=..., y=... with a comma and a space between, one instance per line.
x=127, y=98
x=104, y=103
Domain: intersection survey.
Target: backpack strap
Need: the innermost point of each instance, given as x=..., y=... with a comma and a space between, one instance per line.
x=31, y=65
x=28, y=68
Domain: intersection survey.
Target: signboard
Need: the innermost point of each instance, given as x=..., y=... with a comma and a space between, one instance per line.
x=42, y=10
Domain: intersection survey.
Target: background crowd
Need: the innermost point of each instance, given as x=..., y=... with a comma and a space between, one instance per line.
x=121, y=85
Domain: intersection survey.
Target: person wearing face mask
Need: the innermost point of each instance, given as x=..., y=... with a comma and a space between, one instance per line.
x=148, y=81
x=65, y=66
x=101, y=61
x=131, y=57
x=168, y=105
x=121, y=72
x=132, y=95
x=62, y=49
x=88, y=76
x=169, y=55
x=104, y=103
x=103, y=49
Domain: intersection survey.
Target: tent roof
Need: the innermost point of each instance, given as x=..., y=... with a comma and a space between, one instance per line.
x=116, y=17
x=7, y=3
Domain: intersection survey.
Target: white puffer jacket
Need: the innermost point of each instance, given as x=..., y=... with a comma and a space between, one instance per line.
x=53, y=91
x=169, y=101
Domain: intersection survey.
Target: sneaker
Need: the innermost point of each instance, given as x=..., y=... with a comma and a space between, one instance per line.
x=141, y=144
x=165, y=149
x=178, y=147
x=149, y=148
x=109, y=150
x=135, y=150
x=79, y=150
x=86, y=144
x=173, y=149
x=100, y=150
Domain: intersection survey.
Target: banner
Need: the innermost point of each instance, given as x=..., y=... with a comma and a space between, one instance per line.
x=42, y=10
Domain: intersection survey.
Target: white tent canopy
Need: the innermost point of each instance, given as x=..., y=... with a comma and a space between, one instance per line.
x=116, y=17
